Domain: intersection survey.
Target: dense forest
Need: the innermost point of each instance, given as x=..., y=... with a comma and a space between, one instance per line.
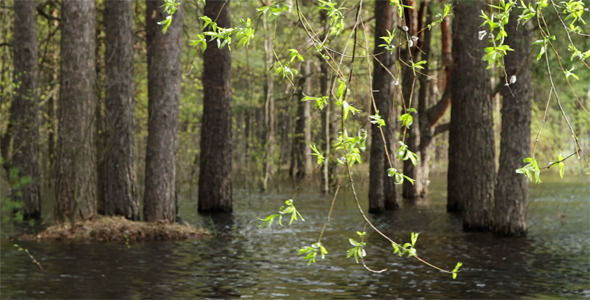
x=115, y=107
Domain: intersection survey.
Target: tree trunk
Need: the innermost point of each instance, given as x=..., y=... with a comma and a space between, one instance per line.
x=119, y=182
x=382, y=193
x=302, y=163
x=24, y=111
x=472, y=167
x=75, y=192
x=410, y=93
x=164, y=76
x=269, y=107
x=215, y=184
x=511, y=193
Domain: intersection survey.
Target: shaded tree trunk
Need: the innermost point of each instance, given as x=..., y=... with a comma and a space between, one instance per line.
x=382, y=193
x=472, y=167
x=302, y=163
x=164, y=76
x=511, y=193
x=410, y=93
x=75, y=192
x=24, y=110
x=215, y=184
x=119, y=182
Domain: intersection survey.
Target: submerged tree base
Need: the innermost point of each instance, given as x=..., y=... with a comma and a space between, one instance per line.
x=119, y=229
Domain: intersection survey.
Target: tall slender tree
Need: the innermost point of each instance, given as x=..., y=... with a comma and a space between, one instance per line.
x=75, y=191
x=119, y=183
x=301, y=164
x=164, y=77
x=472, y=167
x=511, y=192
x=382, y=193
x=24, y=110
x=215, y=184
x=269, y=104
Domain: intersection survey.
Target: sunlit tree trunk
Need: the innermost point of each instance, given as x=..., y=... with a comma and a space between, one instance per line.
x=164, y=76
x=382, y=193
x=269, y=106
x=119, y=178
x=215, y=183
x=75, y=191
x=511, y=193
x=472, y=167
x=24, y=110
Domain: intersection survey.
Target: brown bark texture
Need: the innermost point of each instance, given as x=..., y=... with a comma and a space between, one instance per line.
x=215, y=184
x=119, y=178
x=511, y=193
x=164, y=76
x=24, y=110
x=472, y=168
x=302, y=162
x=75, y=191
x=382, y=193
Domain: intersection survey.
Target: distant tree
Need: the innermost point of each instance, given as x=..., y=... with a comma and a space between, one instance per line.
x=301, y=164
x=75, y=191
x=164, y=77
x=382, y=194
x=215, y=184
x=472, y=167
x=119, y=183
x=511, y=192
x=24, y=110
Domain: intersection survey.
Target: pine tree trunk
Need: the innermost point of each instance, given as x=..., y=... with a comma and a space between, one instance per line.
x=382, y=193
x=24, y=111
x=511, y=193
x=215, y=184
x=472, y=167
x=164, y=76
x=119, y=182
x=75, y=192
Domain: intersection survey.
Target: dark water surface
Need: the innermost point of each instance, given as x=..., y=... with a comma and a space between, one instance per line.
x=244, y=261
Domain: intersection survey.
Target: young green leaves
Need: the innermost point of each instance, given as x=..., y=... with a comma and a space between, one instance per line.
x=311, y=252
x=283, y=210
x=358, y=250
x=408, y=248
x=531, y=167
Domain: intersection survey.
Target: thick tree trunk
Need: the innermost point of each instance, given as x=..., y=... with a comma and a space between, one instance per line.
x=75, y=192
x=472, y=167
x=119, y=181
x=215, y=184
x=382, y=193
x=24, y=111
x=511, y=193
x=164, y=76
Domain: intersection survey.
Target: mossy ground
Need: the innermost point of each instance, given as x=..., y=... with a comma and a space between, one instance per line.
x=105, y=228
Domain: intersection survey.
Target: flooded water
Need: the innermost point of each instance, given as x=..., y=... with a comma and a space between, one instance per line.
x=244, y=261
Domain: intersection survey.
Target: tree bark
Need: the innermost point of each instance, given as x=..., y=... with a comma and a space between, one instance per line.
x=119, y=182
x=75, y=192
x=511, y=192
x=164, y=76
x=472, y=167
x=302, y=163
x=24, y=110
x=382, y=193
x=410, y=94
x=215, y=184
x=269, y=107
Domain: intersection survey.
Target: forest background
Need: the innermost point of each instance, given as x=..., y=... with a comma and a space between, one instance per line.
x=271, y=127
